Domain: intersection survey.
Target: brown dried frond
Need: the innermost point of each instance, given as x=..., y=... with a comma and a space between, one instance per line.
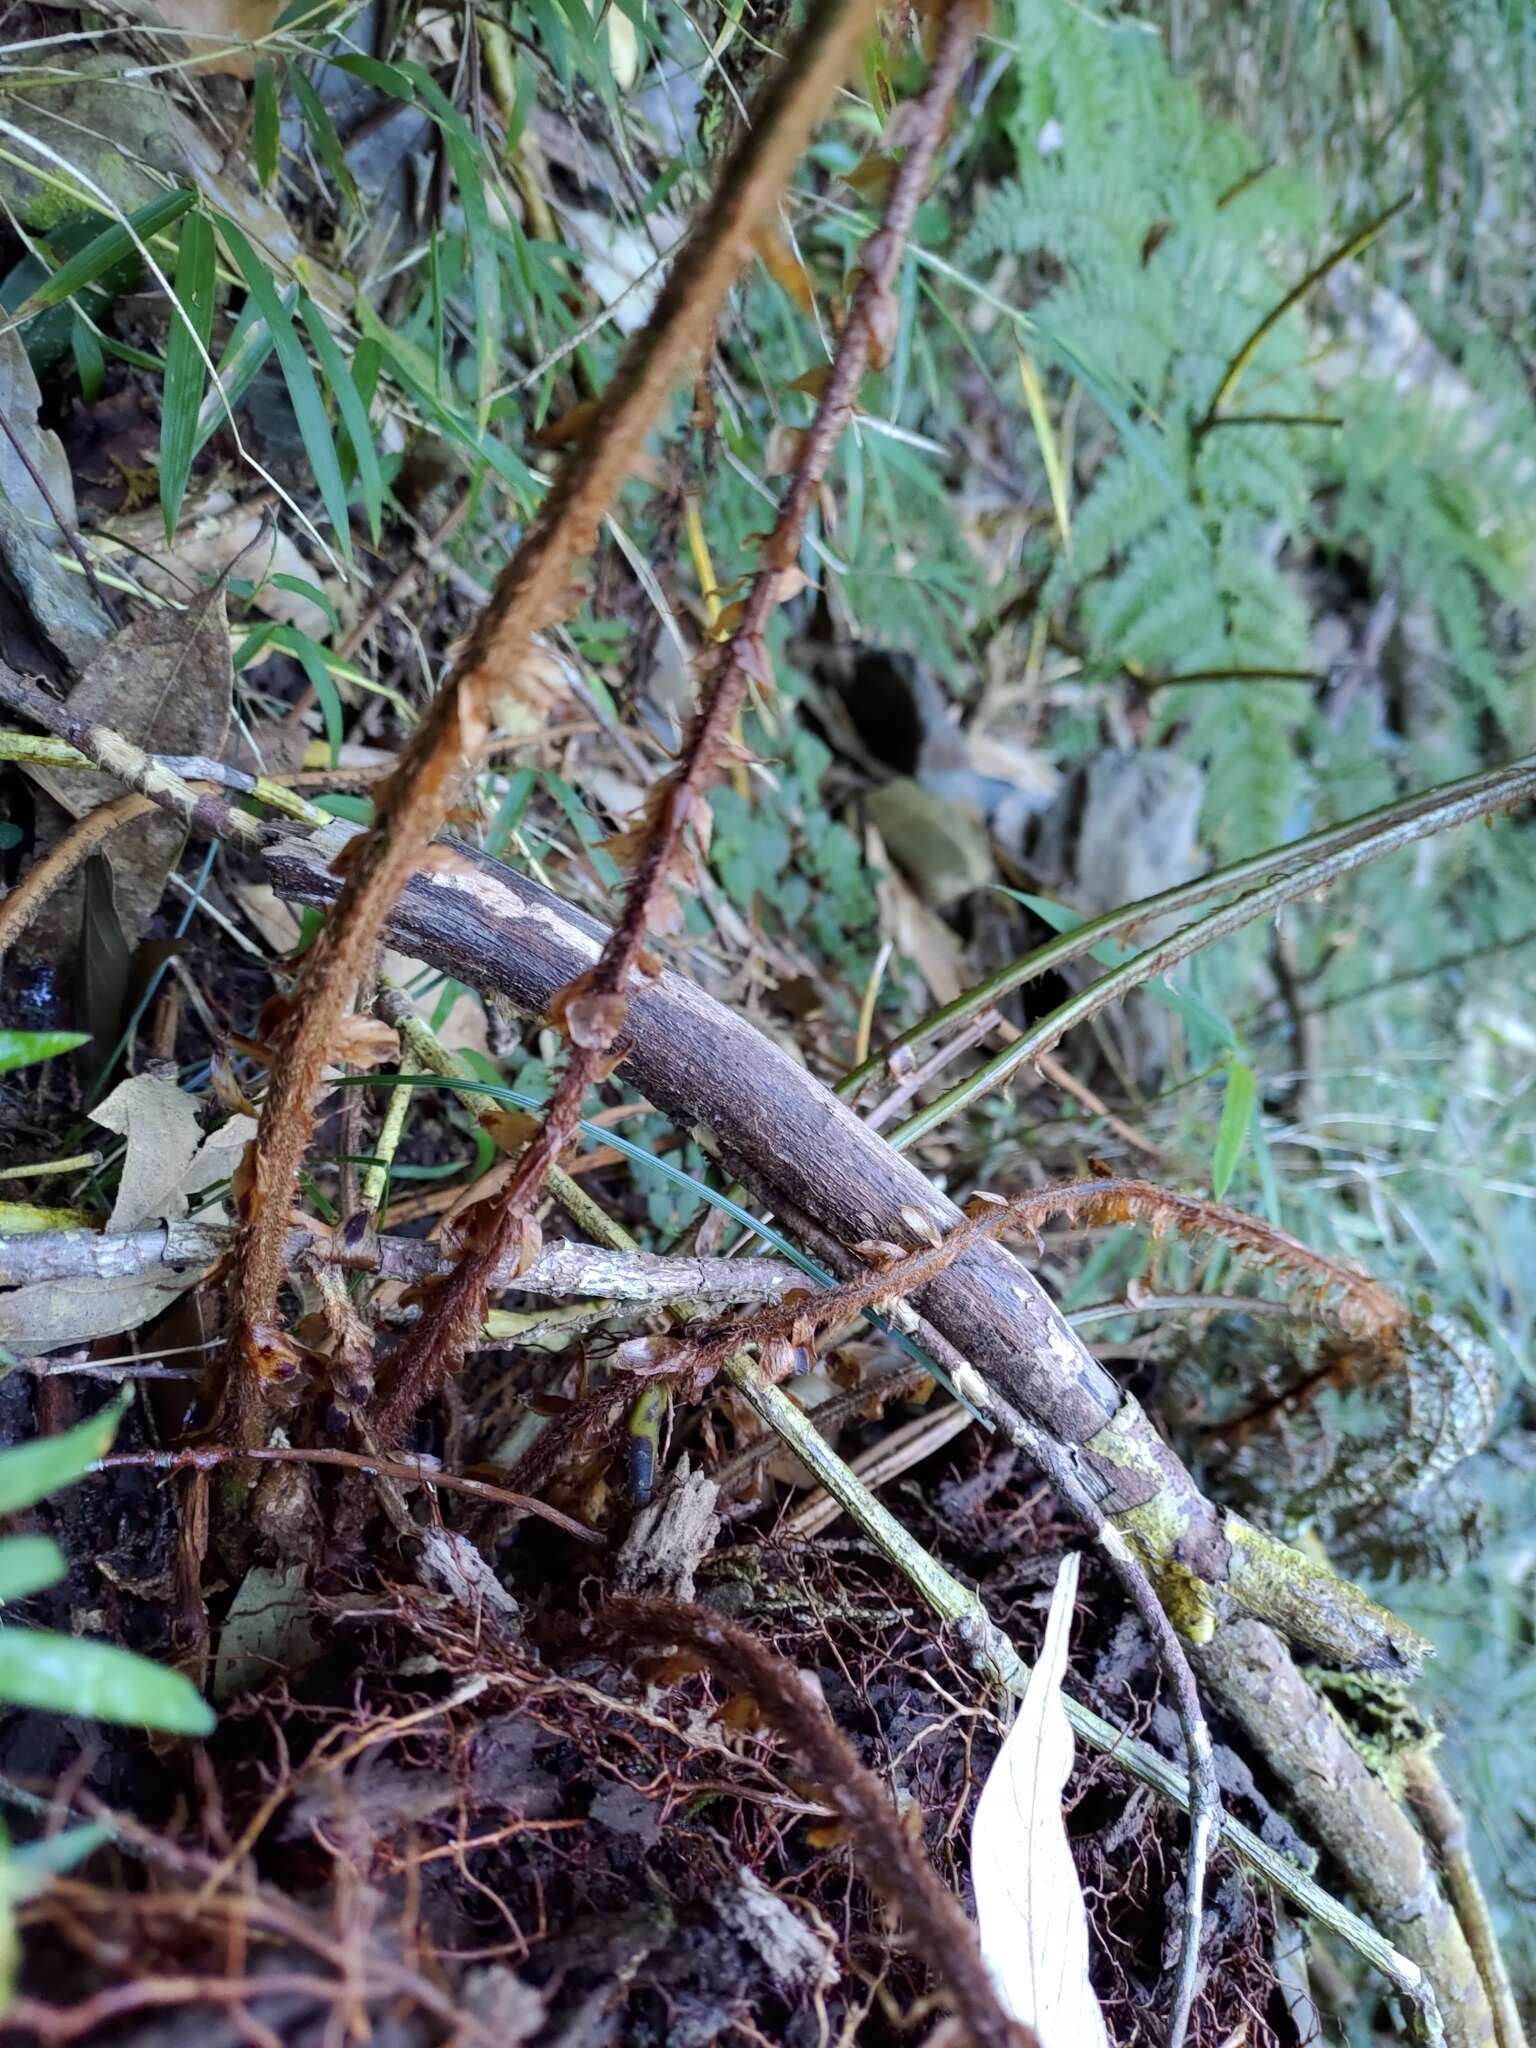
x=1358, y=1305
x=412, y=805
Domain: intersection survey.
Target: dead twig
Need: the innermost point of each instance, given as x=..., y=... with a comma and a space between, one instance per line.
x=207, y=815
x=595, y=1007
x=407, y=1471
x=530, y=594
x=563, y=1267
x=61, y=860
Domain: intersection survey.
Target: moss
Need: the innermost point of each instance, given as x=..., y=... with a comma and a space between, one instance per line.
x=1312, y=1605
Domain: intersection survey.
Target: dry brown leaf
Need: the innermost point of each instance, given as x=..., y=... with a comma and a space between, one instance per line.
x=274, y=921
x=466, y=1027
x=166, y=682
x=210, y=25
x=212, y=537
x=784, y=267
x=365, y=1041
x=49, y=1314
x=20, y=401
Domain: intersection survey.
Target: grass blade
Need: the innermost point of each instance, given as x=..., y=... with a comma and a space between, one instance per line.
x=303, y=391
x=266, y=123
x=467, y=161
x=1236, y=1114
x=322, y=130
x=353, y=409
x=111, y=246
x=185, y=373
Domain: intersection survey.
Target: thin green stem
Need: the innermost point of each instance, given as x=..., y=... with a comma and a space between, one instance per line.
x=1361, y=239
x=1402, y=830
x=1372, y=828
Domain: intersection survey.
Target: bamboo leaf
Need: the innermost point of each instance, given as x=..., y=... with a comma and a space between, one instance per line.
x=323, y=130
x=185, y=369
x=30, y=1472
x=467, y=162
x=303, y=391
x=28, y=1564
x=353, y=409
x=266, y=122
x=27, y=1048
x=1236, y=1115
x=111, y=246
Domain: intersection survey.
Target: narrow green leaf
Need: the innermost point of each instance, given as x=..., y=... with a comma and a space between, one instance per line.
x=412, y=366
x=30, y=1472
x=1236, y=1115
x=35, y=1862
x=387, y=78
x=312, y=659
x=467, y=160
x=353, y=410
x=111, y=246
x=266, y=122
x=323, y=130
x=73, y=1675
x=303, y=391
x=302, y=587
x=249, y=345
x=90, y=364
x=27, y=1048
x=185, y=370
x=27, y=1564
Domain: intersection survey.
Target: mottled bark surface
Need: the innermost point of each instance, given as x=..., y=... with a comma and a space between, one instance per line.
x=1347, y=1809
x=708, y=1068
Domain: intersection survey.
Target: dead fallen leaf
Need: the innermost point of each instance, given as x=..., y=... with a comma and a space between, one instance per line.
x=267, y=1633
x=20, y=402
x=1029, y=1904
x=784, y=267
x=210, y=537
x=466, y=1027
x=222, y=22
x=168, y=1159
x=48, y=1314
x=274, y=921
x=166, y=682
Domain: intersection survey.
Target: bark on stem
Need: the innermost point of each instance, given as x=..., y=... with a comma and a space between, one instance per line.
x=1348, y=1809
x=563, y=1268
x=705, y=1066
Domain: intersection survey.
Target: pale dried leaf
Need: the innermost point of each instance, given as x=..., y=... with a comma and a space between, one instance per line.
x=921, y=1224
x=20, y=401
x=217, y=534
x=274, y=921
x=221, y=22
x=168, y=1159
x=267, y=1633
x=1029, y=1904
x=50, y=1314
x=159, y=1121
x=364, y=1041
x=166, y=682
